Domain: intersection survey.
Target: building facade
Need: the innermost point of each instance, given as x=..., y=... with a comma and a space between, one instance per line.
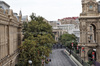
x=4, y=5
x=56, y=30
x=71, y=26
x=57, y=33
x=90, y=29
x=70, y=20
x=10, y=37
x=54, y=23
x=67, y=27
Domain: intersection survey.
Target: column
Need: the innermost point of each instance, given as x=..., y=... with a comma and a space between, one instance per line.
x=84, y=55
x=19, y=35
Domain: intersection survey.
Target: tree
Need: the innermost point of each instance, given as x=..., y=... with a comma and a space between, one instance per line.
x=68, y=39
x=37, y=25
x=25, y=26
x=38, y=41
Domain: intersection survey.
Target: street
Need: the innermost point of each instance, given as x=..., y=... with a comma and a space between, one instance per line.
x=58, y=58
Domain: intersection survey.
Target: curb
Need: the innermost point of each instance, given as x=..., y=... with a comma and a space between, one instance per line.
x=74, y=59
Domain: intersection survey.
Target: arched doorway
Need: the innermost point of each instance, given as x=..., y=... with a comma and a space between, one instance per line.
x=90, y=55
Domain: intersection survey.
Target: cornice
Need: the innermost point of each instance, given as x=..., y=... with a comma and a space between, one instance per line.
x=89, y=17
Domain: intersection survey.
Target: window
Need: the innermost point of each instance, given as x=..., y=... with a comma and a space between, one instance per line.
x=0, y=6
x=90, y=37
x=90, y=28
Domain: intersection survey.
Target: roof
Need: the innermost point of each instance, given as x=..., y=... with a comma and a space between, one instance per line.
x=5, y=3
x=69, y=18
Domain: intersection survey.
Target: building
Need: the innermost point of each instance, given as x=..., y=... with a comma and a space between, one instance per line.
x=25, y=18
x=70, y=20
x=67, y=27
x=90, y=30
x=4, y=5
x=54, y=23
x=10, y=36
x=76, y=32
x=58, y=32
x=70, y=25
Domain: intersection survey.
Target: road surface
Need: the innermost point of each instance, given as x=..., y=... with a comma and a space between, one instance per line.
x=59, y=58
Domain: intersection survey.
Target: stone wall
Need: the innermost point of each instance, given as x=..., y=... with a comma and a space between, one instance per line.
x=10, y=37
x=90, y=29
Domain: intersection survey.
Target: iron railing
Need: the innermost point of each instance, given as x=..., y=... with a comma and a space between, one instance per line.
x=77, y=57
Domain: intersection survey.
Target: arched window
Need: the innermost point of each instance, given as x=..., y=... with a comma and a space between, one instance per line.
x=93, y=30
x=90, y=37
x=90, y=28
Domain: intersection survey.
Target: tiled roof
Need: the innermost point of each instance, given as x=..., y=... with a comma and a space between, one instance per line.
x=69, y=18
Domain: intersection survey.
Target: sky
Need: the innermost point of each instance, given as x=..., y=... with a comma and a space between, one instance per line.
x=51, y=10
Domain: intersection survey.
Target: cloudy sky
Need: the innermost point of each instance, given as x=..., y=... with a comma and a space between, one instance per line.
x=49, y=9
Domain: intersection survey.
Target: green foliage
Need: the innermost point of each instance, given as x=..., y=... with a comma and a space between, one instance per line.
x=25, y=26
x=68, y=39
x=90, y=62
x=37, y=26
x=38, y=41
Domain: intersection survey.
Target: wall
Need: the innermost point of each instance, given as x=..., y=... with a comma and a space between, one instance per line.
x=10, y=38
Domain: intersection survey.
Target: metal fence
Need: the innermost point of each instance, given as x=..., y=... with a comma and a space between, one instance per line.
x=77, y=57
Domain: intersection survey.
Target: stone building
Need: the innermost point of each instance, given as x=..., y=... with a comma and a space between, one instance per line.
x=10, y=37
x=4, y=5
x=67, y=27
x=57, y=33
x=70, y=25
x=70, y=20
x=90, y=29
x=54, y=23
x=56, y=30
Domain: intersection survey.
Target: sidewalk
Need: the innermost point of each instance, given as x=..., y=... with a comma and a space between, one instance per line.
x=73, y=58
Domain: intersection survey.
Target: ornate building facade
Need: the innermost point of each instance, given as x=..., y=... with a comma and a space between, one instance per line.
x=90, y=29
x=10, y=37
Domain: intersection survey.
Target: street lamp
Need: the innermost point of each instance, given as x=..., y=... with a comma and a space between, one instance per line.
x=30, y=62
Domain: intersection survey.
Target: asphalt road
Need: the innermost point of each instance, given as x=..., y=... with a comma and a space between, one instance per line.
x=59, y=58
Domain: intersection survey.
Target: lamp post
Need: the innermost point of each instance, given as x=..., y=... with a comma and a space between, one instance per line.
x=73, y=44
x=30, y=62
x=94, y=57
